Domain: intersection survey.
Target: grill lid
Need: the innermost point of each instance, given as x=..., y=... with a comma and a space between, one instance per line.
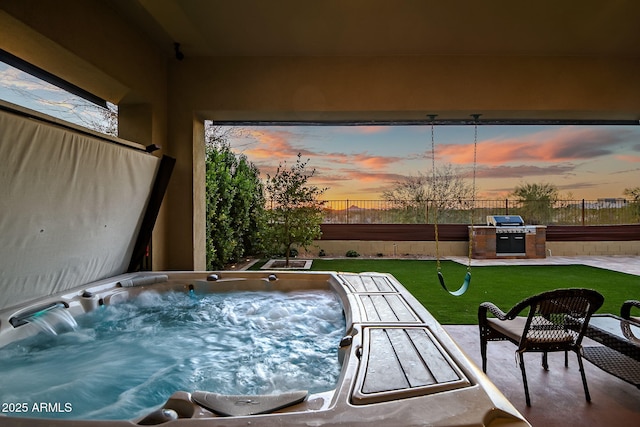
x=505, y=220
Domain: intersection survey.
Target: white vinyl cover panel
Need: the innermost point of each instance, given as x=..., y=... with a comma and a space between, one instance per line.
x=71, y=206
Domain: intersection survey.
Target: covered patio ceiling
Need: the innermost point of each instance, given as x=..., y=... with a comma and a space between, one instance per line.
x=386, y=28
x=464, y=57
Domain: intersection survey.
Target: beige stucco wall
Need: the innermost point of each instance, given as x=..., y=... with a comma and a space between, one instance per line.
x=373, y=248
x=339, y=248
x=164, y=101
x=89, y=45
x=593, y=248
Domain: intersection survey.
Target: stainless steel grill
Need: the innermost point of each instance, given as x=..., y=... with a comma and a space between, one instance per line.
x=510, y=234
x=504, y=220
x=509, y=224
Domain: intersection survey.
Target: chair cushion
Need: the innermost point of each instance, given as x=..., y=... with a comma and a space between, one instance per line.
x=510, y=328
x=541, y=332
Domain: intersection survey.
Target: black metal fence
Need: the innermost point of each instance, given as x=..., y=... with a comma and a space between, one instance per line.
x=561, y=212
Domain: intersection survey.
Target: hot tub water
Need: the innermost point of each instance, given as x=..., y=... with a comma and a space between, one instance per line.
x=124, y=360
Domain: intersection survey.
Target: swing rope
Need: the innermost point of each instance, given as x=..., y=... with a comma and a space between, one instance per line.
x=467, y=278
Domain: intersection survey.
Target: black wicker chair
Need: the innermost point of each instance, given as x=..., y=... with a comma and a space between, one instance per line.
x=625, y=310
x=556, y=321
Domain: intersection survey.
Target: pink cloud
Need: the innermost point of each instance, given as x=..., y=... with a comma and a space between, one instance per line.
x=367, y=130
x=276, y=145
x=566, y=144
x=362, y=159
x=628, y=158
x=270, y=145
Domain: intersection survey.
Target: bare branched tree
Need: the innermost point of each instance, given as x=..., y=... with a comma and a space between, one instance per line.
x=56, y=102
x=426, y=194
x=634, y=193
x=103, y=120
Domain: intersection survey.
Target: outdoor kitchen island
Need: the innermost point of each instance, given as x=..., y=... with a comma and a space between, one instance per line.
x=506, y=236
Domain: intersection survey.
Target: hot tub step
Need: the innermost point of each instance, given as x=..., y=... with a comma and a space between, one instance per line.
x=404, y=362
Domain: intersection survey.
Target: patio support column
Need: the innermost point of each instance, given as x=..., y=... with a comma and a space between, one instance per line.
x=185, y=198
x=199, y=196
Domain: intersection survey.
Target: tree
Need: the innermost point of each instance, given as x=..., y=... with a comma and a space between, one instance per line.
x=295, y=213
x=411, y=194
x=537, y=201
x=446, y=189
x=234, y=202
x=634, y=193
x=103, y=120
x=59, y=103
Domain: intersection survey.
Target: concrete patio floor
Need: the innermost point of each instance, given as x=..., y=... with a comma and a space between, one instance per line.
x=620, y=263
x=557, y=396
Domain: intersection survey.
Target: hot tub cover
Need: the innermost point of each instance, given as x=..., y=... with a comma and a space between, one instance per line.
x=72, y=205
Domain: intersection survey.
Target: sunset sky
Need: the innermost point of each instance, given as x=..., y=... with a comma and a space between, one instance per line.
x=360, y=162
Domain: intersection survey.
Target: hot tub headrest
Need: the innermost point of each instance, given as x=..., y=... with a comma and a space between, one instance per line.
x=143, y=279
x=242, y=405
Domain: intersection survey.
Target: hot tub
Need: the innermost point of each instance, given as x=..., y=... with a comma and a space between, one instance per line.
x=78, y=213
x=397, y=364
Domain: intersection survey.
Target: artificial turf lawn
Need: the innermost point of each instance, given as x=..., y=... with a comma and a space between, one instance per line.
x=502, y=285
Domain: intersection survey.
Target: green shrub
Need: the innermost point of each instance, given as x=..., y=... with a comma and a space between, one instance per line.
x=352, y=254
x=234, y=204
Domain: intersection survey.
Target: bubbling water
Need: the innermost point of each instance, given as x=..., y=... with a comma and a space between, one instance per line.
x=53, y=320
x=125, y=360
